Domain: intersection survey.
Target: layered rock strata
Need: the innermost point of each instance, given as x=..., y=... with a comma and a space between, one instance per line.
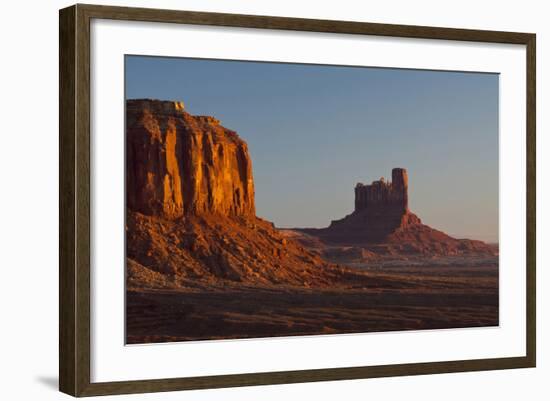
x=190, y=208
x=179, y=164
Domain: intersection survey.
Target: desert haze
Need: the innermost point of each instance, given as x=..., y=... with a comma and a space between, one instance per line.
x=201, y=265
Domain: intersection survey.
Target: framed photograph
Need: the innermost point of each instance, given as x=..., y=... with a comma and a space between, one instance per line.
x=250, y=200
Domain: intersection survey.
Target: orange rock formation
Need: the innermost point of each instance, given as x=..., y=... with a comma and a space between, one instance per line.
x=190, y=207
x=382, y=221
x=179, y=164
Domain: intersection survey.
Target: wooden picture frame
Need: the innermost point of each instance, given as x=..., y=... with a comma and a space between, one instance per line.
x=74, y=203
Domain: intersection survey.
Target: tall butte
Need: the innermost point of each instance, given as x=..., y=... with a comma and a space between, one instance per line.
x=190, y=207
x=382, y=221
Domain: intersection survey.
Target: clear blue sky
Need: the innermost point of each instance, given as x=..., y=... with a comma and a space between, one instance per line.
x=315, y=131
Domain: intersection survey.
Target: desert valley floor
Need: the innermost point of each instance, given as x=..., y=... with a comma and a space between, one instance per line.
x=397, y=298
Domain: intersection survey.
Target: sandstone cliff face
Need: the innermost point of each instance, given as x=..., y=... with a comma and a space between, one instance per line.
x=180, y=164
x=190, y=209
x=384, y=195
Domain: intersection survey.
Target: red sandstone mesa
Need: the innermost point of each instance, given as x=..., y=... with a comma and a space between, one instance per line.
x=190, y=207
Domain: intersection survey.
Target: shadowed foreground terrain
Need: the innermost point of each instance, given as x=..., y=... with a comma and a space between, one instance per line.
x=398, y=299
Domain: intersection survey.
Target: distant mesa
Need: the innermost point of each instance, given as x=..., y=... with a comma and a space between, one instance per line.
x=381, y=209
x=383, y=222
